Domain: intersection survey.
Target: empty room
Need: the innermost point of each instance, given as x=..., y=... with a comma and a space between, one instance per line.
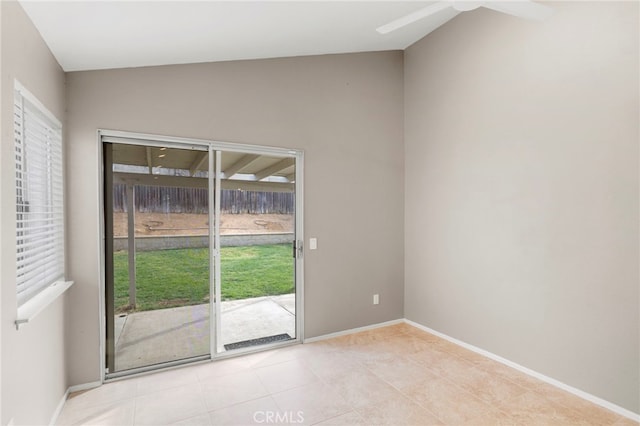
x=320, y=212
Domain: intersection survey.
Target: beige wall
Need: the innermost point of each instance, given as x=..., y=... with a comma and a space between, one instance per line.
x=345, y=111
x=521, y=214
x=33, y=359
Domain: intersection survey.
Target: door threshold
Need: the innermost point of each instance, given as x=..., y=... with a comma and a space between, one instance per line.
x=203, y=359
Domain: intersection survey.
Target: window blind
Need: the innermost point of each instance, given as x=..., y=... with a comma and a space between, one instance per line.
x=39, y=197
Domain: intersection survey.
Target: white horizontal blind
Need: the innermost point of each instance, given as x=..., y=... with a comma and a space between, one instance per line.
x=39, y=198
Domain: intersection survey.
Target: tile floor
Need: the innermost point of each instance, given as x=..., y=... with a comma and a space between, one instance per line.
x=395, y=375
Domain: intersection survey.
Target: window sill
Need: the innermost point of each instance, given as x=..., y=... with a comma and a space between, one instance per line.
x=30, y=309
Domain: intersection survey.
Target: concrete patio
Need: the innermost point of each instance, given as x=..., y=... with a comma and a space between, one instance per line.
x=152, y=337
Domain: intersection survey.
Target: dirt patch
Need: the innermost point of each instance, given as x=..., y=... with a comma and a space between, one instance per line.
x=198, y=224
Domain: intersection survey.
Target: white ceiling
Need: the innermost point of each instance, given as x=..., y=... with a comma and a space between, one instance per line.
x=86, y=35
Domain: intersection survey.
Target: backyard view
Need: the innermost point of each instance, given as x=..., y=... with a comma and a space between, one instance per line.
x=170, y=319
x=161, y=272
x=172, y=254
x=180, y=277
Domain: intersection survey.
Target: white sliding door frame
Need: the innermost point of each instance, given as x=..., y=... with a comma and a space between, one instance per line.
x=215, y=151
x=217, y=288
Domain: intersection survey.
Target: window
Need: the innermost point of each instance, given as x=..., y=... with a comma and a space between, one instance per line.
x=39, y=196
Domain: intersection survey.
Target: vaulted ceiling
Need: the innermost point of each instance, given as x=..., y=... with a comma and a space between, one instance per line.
x=86, y=35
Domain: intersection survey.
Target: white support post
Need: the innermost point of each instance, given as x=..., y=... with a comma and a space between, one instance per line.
x=216, y=233
x=131, y=240
x=213, y=296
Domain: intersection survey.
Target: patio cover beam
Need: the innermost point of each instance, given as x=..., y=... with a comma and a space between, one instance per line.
x=275, y=168
x=243, y=162
x=197, y=182
x=198, y=162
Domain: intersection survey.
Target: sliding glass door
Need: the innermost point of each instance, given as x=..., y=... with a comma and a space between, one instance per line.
x=257, y=254
x=158, y=269
x=202, y=250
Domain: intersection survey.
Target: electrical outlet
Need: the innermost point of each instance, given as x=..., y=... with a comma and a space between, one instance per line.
x=376, y=299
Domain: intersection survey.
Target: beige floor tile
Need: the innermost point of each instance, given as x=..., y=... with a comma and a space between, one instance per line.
x=416, y=332
x=407, y=344
x=451, y=404
x=373, y=351
x=220, y=367
x=257, y=411
x=312, y=403
x=329, y=365
x=381, y=333
x=355, y=339
x=474, y=358
x=585, y=409
x=285, y=375
x=392, y=375
x=200, y=420
x=351, y=418
x=451, y=367
x=331, y=344
x=489, y=387
x=494, y=367
x=166, y=379
x=493, y=417
x=521, y=379
x=365, y=337
x=402, y=328
x=170, y=405
x=531, y=408
x=340, y=342
x=305, y=349
x=359, y=387
x=429, y=356
x=400, y=372
x=397, y=411
x=267, y=358
x=456, y=350
x=232, y=389
x=431, y=338
x=116, y=413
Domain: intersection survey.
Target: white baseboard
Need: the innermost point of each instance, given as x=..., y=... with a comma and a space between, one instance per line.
x=56, y=413
x=84, y=386
x=63, y=400
x=577, y=392
x=352, y=330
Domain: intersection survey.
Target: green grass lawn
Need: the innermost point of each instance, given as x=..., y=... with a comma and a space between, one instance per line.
x=168, y=278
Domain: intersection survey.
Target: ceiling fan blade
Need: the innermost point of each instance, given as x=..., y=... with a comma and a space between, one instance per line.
x=521, y=8
x=413, y=17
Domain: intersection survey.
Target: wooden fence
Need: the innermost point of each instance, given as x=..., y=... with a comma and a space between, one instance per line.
x=195, y=200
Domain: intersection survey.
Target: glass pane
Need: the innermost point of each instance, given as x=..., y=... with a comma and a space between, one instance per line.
x=257, y=231
x=160, y=255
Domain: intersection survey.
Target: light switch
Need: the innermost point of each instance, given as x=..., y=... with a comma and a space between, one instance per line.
x=313, y=243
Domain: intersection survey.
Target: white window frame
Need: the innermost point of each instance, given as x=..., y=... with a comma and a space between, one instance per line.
x=39, y=180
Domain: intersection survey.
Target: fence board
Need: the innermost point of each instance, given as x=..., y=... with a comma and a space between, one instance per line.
x=154, y=199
